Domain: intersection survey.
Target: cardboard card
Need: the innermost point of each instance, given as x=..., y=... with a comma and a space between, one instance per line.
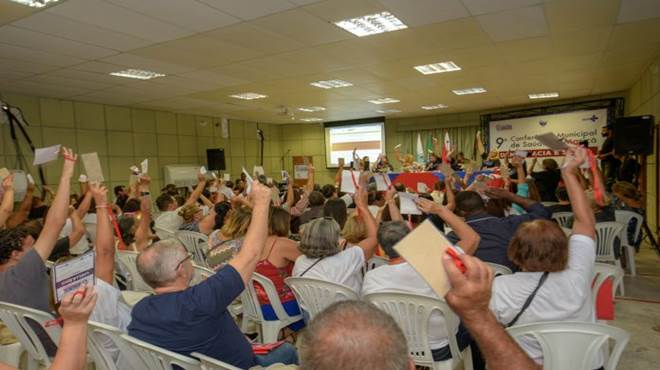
x=68, y=276
x=269, y=180
x=144, y=166
x=83, y=178
x=4, y=173
x=349, y=180
x=30, y=179
x=423, y=249
x=248, y=181
x=258, y=171
x=202, y=170
x=226, y=177
x=383, y=182
x=92, y=166
x=408, y=204
x=45, y=155
x=134, y=170
x=215, y=177
x=422, y=188
x=551, y=141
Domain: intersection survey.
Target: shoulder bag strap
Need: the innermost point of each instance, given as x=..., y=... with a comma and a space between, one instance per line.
x=310, y=267
x=529, y=300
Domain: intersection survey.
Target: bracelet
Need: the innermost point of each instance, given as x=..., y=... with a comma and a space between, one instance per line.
x=102, y=206
x=69, y=158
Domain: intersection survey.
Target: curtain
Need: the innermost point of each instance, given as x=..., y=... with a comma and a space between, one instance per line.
x=462, y=140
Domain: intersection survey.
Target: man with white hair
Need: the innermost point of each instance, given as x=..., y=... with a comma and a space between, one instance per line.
x=187, y=319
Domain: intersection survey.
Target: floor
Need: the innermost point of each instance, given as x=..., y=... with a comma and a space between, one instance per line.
x=638, y=312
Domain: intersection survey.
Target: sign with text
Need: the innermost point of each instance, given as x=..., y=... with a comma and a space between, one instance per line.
x=69, y=275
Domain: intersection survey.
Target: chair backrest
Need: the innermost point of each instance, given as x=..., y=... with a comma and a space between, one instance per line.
x=17, y=319
x=574, y=345
x=210, y=363
x=251, y=305
x=562, y=218
x=624, y=217
x=200, y=273
x=192, y=240
x=602, y=272
x=127, y=259
x=567, y=231
x=412, y=312
x=314, y=295
x=156, y=358
x=102, y=339
x=606, y=232
x=499, y=269
x=164, y=233
x=548, y=204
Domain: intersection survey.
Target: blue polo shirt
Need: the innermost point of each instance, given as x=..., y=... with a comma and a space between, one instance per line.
x=196, y=320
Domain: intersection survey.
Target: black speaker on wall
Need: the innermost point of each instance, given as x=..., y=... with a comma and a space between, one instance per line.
x=634, y=135
x=215, y=159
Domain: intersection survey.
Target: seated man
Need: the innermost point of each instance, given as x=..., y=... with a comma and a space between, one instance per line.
x=195, y=319
x=564, y=205
x=495, y=232
x=169, y=218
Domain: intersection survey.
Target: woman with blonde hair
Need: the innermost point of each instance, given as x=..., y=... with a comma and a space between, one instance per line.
x=225, y=243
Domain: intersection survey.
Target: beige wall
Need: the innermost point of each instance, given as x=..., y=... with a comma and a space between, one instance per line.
x=124, y=136
x=644, y=98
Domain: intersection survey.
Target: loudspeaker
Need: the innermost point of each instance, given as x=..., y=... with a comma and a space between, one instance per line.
x=215, y=159
x=633, y=135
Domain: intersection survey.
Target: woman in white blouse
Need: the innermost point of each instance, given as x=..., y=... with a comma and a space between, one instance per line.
x=556, y=276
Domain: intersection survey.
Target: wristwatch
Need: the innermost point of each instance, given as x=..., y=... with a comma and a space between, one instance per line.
x=144, y=193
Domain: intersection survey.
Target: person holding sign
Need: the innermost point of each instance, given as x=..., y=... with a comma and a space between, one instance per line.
x=7, y=205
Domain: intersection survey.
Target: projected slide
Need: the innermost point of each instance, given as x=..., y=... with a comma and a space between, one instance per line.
x=368, y=138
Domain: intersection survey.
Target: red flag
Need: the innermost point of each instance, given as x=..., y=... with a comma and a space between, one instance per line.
x=446, y=148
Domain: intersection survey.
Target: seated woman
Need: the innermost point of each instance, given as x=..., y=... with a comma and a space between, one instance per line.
x=557, y=272
x=326, y=256
x=407, y=161
x=191, y=215
x=276, y=264
x=628, y=198
x=225, y=243
x=490, y=160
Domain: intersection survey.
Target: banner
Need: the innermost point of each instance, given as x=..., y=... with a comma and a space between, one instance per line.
x=573, y=127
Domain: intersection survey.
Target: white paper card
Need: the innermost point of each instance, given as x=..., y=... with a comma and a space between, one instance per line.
x=69, y=275
x=422, y=188
x=45, y=155
x=269, y=180
x=551, y=141
x=248, y=180
x=408, y=204
x=202, y=170
x=145, y=166
x=134, y=170
x=4, y=173
x=29, y=178
x=226, y=177
x=82, y=178
x=348, y=180
x=92, y=166
x=258, y=171
x=383, y=182
x=300, y=172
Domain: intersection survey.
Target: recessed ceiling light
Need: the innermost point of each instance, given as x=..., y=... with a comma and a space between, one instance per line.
x=138, y=74
x=544, y=95
x=249, y=96
x=314, y=119
x=384, y=101
x=372, y=24
x=388, y=111
x=34, y=3
x=441, y=67
x=432, y=107
x=471, y=90
x=311, y=109
x=331, y=84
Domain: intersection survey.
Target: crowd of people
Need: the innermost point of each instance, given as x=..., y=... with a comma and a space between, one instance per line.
x=283, y=230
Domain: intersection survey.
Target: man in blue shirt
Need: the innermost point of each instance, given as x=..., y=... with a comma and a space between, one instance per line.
x=495, y=232
x=187, y=319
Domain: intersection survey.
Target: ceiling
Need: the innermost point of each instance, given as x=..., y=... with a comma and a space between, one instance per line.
x=210, y=49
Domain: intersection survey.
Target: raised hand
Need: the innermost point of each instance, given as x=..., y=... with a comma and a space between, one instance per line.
x=497, y=193
x=77, y=306
x=260, y=193
x=201, y=178
x=99, y=193
x=390, y=193
x=8, y=183
x=470, y=292
x=428, y=206
x=574, y=158
x=70, y=159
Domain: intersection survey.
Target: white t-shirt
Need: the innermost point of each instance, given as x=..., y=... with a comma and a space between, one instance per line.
x=403, y=278
x=82, y=246
x=169, y=220
x=111, y=310
x=565, y=295
x=344, y=267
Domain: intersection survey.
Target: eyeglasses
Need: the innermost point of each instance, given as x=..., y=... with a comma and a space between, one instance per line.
x=189, y=256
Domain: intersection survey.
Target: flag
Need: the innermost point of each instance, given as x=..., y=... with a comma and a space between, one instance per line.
x=420, y=149
x=446, y=148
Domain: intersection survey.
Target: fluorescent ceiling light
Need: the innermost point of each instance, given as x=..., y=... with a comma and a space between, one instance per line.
x=441, y=67
x=384, y=101
x=372, y=24
x=311, y=119
x=388, y=111
x=311, y=109
x=432, y=107
x=249, y=96
x=471, y=90
x=138, y=74
x=331, y=84
x=544, y=95
x=34, y=3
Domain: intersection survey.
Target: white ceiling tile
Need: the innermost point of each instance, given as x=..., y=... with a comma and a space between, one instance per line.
x=45, y=90
x=98, y=67
x=304, y=2
x=250, y=9
x=25, y=66
x=636, y=10
x=478, y=7
x=422, y=12
x=219, y=79
x=138, y=62
x=303, y=27
x=336, y=10
x=56, y=25
x=515, y=24
x=30, y=55
x=7, y=75
x=192, y=15
x=119, y=19
x=68, y=82
x=56, y=45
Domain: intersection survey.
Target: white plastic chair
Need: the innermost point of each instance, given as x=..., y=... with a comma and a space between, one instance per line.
x=567, y=231
x=194, y=243
x=132, y=297
x=16, y=318
x=602, y=272
x=156, y=358
x=269, y=329
x=574, y=345
x=101, y=338
x=548, y=204
x=164, y=233
x=625, y=217
x=11, y=354
x=210, y=363
x=314, y=295
x=412, y=312
x=200, y=273
x=127, y=260
x=562, y=218
x=499, y=269
x=606, y=232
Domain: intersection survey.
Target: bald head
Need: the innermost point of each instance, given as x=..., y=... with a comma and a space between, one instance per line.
x=353, y=335
x=157, y=264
